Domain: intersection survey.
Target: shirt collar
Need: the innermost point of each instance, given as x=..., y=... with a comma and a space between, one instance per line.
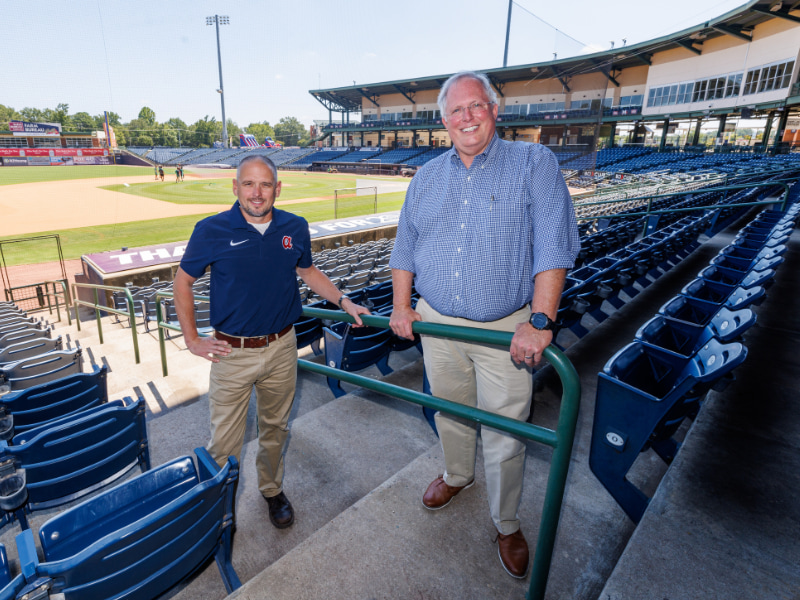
x=238, y=221
x=488, y=152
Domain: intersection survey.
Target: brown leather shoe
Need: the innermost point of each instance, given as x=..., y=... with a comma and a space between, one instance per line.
x=439, y=494
x=513, y=552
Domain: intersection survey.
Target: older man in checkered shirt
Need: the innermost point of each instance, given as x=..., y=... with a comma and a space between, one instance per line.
x=486, y=234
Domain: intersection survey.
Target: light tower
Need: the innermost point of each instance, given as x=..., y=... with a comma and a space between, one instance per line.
x=220, y=20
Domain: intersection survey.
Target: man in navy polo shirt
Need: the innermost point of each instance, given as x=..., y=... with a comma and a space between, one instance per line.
x=255, y=252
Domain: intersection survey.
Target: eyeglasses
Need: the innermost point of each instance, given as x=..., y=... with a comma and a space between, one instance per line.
x=475, y=108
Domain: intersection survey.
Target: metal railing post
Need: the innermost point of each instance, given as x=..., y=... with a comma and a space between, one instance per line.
x=97, y=317
x=98, y=307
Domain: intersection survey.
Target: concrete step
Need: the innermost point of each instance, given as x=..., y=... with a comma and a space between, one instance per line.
x=338, y=453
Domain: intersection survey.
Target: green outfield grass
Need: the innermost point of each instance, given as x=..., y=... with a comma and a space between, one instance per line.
x=88, y=240
x=12, y=175
x=219, y=191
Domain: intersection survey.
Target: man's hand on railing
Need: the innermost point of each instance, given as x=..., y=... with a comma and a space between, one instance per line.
x=402, y=320
x=209, y=348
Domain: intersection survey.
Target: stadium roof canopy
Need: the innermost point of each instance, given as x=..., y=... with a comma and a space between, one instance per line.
x=738, y=23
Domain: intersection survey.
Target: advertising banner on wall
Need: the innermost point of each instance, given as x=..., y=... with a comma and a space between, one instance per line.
x=54, y=152
x=14, y=162
x=28, y=129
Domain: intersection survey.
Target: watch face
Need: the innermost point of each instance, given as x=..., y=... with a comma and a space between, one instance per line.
x=540, y=321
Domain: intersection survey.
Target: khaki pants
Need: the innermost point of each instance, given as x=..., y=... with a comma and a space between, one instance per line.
x=273, y=372
x=482, y=376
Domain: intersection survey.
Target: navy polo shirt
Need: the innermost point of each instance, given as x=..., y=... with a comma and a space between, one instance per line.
x=253, y=279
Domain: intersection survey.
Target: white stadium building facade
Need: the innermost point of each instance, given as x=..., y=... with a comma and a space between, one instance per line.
x=728, y=83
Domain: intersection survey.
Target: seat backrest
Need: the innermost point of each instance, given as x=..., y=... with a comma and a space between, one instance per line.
x=28, y=349
x=140, y=538
x=22, y=335
x=71, y=456
x=45, y=402
x=40, y=369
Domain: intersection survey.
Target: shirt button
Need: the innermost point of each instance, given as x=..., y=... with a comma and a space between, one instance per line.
x=459, y=249
x=462, y=226
x=458, y=298
x=469, y=178
x=456, y=273
x=465, y=201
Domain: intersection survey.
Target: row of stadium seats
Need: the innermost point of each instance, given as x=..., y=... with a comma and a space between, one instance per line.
x=62, y=439
x=649, y=387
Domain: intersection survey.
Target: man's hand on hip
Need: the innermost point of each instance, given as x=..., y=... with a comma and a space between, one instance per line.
x=528, y=344
x=209, y=348
x=402, y=319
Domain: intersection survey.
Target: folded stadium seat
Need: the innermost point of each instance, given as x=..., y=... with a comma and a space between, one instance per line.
x=356, y=281
x=41, y=369
x=21, y=335
x=28, y=349
x=353, y=349
x=70, y=457
x=687, y=338
x=11, y=319
x=379, y=294
x=643, y=395
x=745, y=279
x=20, y=327
x=732, y=296
x=757, y=263
x=40, y=404
x=382, y=274
x=141, y=538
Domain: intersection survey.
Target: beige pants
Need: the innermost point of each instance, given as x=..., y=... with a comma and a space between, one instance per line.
x=482, y=376
x=273, y=372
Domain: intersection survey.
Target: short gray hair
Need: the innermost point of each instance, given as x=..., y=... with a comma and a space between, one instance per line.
x=488, y=90
x=263, y=160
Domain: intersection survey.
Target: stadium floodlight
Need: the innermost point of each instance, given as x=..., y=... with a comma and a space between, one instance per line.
x=220, y=20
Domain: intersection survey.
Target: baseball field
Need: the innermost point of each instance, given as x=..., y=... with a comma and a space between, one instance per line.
x=99, y=208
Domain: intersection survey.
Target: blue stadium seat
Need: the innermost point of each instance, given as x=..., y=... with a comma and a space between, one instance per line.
x=32, y=371
x=28, y=348
x=643, y=395
x=686, y=338
x=140, y=538
x=40, y=404
x=734, y=277
x=70, y=457
x=720, y=293
x=9, y=587
x=354, y=348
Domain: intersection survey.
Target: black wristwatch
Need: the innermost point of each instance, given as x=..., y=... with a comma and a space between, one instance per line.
x=541, y=321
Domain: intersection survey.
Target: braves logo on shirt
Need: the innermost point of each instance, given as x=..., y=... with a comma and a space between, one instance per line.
x=287, y=242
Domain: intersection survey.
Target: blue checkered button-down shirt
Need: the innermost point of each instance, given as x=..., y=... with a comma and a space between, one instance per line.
x=475, y=238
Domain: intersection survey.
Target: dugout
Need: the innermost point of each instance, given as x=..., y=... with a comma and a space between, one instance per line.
x=140, y=266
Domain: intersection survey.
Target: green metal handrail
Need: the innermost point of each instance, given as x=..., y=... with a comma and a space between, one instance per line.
x=561, y=440
x=162, y=325
x=64, y=295
x=98, y=307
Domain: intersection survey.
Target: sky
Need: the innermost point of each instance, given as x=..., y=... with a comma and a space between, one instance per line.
x=97, y=55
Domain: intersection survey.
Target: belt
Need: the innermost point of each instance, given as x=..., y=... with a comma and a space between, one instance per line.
x=252, y=342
